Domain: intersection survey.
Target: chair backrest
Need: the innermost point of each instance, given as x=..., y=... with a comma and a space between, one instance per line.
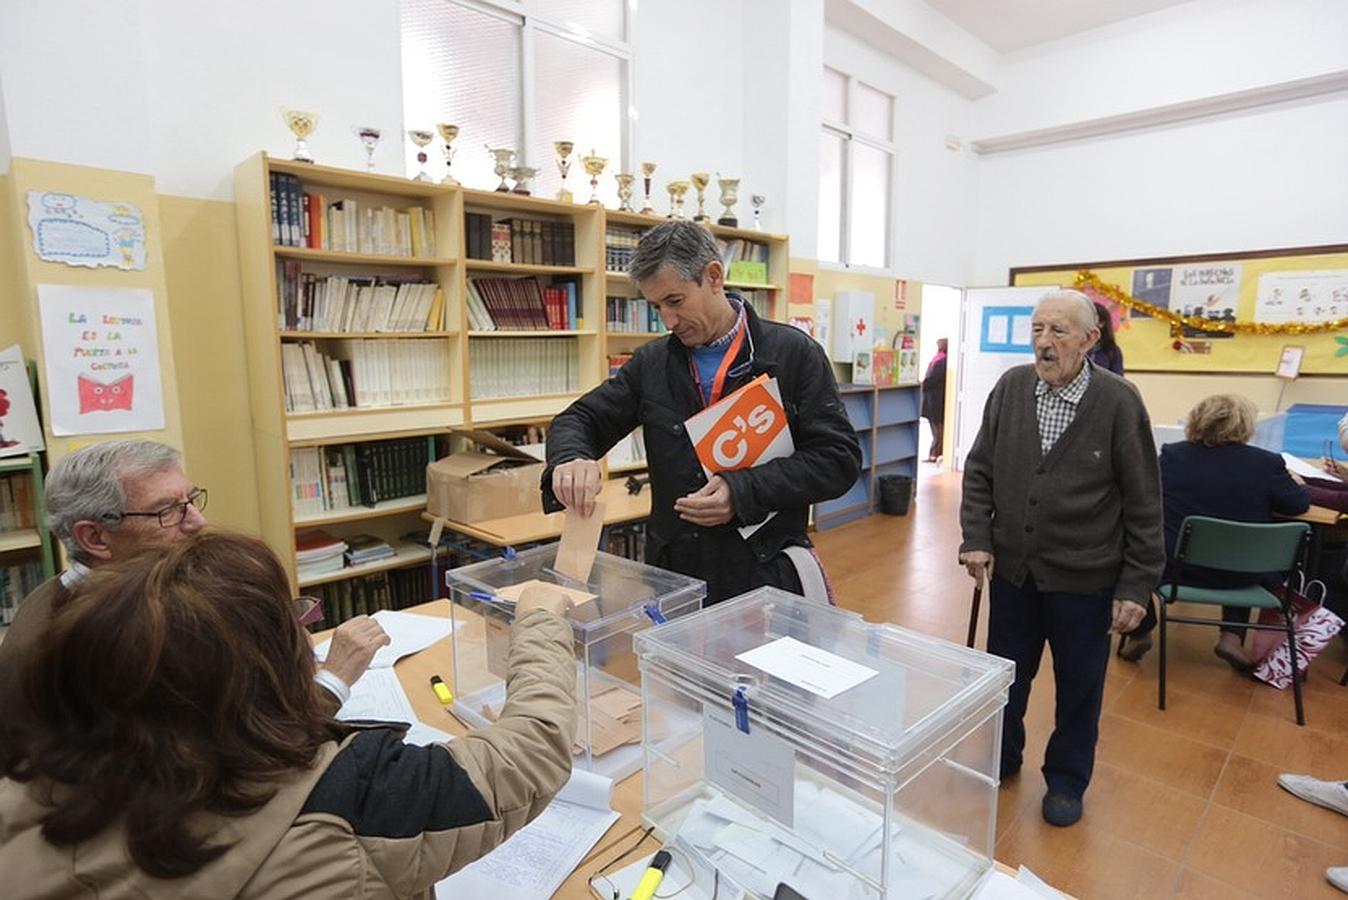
x=1240, y=546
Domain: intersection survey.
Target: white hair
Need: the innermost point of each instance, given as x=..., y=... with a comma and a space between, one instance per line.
x=1085, y=306
x=87, y=484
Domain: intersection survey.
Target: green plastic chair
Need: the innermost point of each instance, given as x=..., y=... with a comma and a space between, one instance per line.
x=1246, y=547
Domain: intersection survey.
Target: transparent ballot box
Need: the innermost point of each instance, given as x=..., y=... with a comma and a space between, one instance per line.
x=790, y=742
x=620, y=599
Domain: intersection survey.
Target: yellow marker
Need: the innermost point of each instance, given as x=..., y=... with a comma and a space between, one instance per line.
x=655, y=873
x=442, y=691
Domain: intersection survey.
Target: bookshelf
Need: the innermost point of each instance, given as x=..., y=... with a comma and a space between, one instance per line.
x=27, y=557
x=886, y=423
x=544, y=341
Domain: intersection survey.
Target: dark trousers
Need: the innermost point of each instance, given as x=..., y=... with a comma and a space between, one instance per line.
x=1236, y=615
x=937, y=433
x=1076, y=626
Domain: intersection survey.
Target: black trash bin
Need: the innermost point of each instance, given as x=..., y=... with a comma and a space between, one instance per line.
x=896, y=492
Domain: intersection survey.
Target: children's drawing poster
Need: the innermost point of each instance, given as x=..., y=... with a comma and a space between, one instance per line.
x=79, y=231
x=102, y=359
x=19, y=428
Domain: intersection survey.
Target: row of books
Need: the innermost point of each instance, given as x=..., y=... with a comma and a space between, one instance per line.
x=541, y=242
x=342, y=476
x=343, y=303
x=303, y=219
x=16, y=502
x=318, y=553
x=620, y=244
x=522, y=304
x=632, y=315
x=628, y=541
x=521, y=367
x=761, y=301
x=373, y=372
x=742, y=250
x=17, y=582
x=616, y=361
x=367, y=594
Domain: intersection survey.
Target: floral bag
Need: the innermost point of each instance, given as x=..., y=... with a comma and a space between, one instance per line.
x=1315, y=627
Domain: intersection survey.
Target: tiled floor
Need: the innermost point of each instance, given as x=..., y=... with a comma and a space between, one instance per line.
x=1183, y=803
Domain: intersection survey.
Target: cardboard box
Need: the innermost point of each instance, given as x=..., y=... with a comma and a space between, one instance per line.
x=474, y=485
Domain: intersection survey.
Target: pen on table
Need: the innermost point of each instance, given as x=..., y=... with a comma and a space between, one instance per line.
x=645, y=888
x=442, y=691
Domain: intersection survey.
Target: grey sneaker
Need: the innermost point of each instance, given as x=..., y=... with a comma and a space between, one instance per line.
x=1329, y=794
x=1338, y=877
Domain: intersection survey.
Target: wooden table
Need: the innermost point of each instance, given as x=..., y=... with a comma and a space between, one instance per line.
x=415, y=671
x=620, y=507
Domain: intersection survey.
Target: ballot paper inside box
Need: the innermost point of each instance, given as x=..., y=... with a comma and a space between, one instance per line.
x=621, y=598
x=789, y=741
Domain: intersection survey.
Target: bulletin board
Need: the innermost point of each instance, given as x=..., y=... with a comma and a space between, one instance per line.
x=1265, y=300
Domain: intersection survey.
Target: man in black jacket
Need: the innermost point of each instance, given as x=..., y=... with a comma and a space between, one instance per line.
x=717, y=345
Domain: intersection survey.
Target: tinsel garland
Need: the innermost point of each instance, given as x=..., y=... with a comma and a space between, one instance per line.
x=1088, y=280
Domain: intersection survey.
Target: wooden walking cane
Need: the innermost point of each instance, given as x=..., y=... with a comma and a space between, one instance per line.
x=973, y=613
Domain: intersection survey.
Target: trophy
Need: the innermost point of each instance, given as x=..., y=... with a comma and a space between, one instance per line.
x=700, y=181
x=730, y=188
x=301, y=124
x=647, y=170
x=448, y=133
x=421, y=139
x=369, y=136
x=504, y=157
x=757, y=200
x=624, y=191
x=564, y=149
x=676, y=191
x=594, y=167
x=521, y=175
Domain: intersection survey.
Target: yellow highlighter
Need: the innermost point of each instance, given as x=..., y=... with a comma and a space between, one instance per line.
x=442, y=691
x=645, y=889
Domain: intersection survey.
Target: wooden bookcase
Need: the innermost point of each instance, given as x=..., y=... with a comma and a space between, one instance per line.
x=23, y=547
x=886, y=422
x=278, y=433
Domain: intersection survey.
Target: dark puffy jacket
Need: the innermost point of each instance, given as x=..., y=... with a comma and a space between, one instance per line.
x=656, y=390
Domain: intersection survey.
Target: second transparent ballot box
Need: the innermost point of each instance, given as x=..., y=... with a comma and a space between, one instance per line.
x=620, y=599
x=791, y=742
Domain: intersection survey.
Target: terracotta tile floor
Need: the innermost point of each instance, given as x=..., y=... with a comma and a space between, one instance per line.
x=1183, y=803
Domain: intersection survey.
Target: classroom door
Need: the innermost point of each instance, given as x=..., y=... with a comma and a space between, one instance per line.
x=994, y=336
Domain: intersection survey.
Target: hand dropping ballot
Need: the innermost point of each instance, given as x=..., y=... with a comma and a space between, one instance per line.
x=744, y=429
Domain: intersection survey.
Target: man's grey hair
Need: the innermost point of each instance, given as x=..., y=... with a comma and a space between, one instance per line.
x=87, y=484
x=1085, y=306
x=682, y=245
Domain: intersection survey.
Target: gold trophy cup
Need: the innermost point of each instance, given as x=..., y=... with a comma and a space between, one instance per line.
x=647, y=170
x=564, y=149
x=421, y=139
x=677, y=190
x=624, y=191
x=730, y=188
x=447, y=134
x=594, y=167
x=700, y=181
x=301, y=124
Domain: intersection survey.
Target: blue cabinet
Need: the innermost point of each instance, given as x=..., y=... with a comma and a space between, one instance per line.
x=886, y=420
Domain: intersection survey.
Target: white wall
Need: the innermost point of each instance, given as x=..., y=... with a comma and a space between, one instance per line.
x=1195, y=50
x=934, y=187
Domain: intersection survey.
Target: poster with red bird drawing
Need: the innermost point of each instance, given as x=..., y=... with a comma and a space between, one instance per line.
x=101, y=354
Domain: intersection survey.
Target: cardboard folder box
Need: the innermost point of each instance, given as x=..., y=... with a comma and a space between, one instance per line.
x=497, y=480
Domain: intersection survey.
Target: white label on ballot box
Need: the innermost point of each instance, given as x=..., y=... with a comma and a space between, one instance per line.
x=758, y=768
x=818, y=671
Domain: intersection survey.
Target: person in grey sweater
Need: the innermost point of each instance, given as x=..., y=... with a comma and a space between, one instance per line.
x=1062, y=493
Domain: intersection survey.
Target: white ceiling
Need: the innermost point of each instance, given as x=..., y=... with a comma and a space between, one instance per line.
x=1008, y=25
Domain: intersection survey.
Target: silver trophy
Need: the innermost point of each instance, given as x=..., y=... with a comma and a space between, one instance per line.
x=505, y=158
x=421, y=139
x=757, y=200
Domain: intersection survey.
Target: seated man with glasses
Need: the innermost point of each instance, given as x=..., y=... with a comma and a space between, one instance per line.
x=109, y=500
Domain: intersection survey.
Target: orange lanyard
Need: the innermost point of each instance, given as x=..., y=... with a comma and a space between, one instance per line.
x=727, y=362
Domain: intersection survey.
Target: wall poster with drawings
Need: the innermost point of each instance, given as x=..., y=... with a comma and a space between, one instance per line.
x=101, y=354
x=79, y=231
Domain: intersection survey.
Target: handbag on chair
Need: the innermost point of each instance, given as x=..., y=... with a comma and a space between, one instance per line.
x=1315, y=627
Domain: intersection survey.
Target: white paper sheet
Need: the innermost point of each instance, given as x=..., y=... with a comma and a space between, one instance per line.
x=379, y=696
x=817, y=671
x=408, y=633
x=20, y=431
x=1300, y=467
x=758, y=767
x=535, y=861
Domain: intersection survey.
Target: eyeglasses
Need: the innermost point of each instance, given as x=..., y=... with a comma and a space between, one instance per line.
x=172, y=515
x=309, y=610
